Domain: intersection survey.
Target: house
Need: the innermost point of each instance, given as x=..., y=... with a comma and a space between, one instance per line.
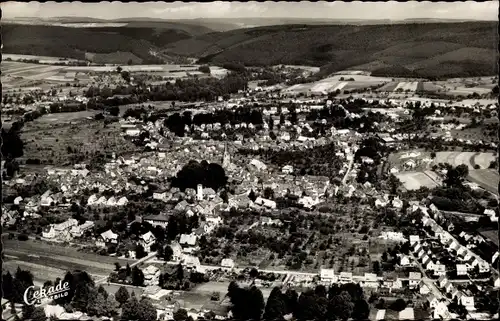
x=433, y=301
x=345, y=277
x=461, y=269
x=380, y=315
x=157, y=220
x=404, y=260
x=151, y=275
x=424, y=289
x=496, y=284
x=177, y=251
x=327, y=275
x=484, y=267
x=147, y=240
x=371, y=280
x=441, y=312
x=188, y=239
x=107, y=237
x=414, y=279
x=265, y=202
x=78, y=230
x=468, y=302
x=191, y=261
x=439, y=269
x=442, y=281
x=227, y=263
x=407, y=314
x=414, y=239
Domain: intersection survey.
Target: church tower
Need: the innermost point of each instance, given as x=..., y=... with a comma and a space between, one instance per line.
x=226, y=159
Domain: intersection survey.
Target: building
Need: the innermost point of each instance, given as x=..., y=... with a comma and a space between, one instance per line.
x=79, y=230
x=106, y=238
x=461, y=269
x=157, y=220
x=147, y=240
x=345, y=277
x=414, y=279
x=151, y=275
x=327, y=275
x=227, y=263
x=188, y=239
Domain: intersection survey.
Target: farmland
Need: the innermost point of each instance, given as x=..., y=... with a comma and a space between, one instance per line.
x=342, y=81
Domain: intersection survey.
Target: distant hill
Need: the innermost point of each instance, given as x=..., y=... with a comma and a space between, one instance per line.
x=463, y=48
x=421, y=49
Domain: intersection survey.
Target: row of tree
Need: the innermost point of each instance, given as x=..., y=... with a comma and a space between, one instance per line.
x=335, y=303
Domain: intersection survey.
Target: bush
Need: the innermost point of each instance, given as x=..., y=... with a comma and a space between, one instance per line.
x=22, y=237
x=477, y=166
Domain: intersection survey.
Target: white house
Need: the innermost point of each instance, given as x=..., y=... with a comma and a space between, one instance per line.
x=468, y=302
x=265, y=202
x=439, y=269
x=188, y=239
x=327, y=275
x=227, y=263
x=107, y=238
x=151, y=275
x=147, y=240
x=345, y=277
x=78, y=230
x=462, y=269
x=414, y=279
x=404, y=260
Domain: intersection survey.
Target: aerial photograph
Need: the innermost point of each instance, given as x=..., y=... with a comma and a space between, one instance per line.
x=250, y=161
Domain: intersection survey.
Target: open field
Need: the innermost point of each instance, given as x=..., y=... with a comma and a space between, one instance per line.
x=338, y=82
x=41, y=59
x=51, y=261
x=486, y=178
x=465, y=158
x=221, y=287
x=415, y=180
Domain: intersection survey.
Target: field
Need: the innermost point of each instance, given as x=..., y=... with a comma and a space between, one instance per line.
x=338, y=82
x=48, y=138
x=465, y=158
x=221, y=287
x=49, y=261
x=484, y=177
x=415, y=180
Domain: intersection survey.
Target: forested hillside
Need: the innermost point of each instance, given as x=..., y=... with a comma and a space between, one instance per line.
x=420, y=49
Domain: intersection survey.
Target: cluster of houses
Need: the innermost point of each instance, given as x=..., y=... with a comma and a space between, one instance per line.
x=66, y=231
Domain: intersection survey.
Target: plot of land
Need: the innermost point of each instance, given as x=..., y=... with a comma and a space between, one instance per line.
x=338, y=82
x=415, y=180
x=465, y=158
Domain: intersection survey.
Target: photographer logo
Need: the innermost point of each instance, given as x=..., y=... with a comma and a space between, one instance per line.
x=32, y=296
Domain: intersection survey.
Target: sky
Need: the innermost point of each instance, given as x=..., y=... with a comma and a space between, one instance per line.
x=180, y=10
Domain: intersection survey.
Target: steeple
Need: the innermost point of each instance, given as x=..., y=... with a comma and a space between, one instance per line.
x=226, y=159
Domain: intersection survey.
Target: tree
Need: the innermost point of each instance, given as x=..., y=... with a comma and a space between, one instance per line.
x=137, y=276
x=38, y=314
x=119, y=69
x=340, y=306
x=180, y=315
x=252, y=196
x=122, y=295
x=114, y=111
x=117, y=266
x=168, y=253
x=361, y=310
x=276, y=305
x=103, y=291
x=139, y=252
x=96, y=305
x=125, y=75
x=398, y=305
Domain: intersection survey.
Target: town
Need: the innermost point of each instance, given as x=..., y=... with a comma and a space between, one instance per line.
x=236, y=192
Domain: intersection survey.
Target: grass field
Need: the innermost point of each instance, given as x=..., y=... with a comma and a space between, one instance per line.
x=415, y=180
x=465, y=158
x=49, y=261
x=338, y=82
